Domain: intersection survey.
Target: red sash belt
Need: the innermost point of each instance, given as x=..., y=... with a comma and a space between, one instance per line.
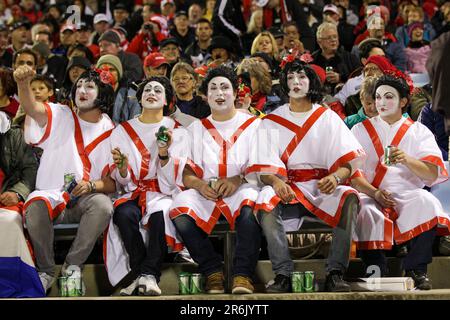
x=303, y=175
x=143, y=187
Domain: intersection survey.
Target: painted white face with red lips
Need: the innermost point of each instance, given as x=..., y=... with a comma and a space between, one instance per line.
x=153, y=96
x=387, y=100
x=220, y=94
x=298, y=84
x=85, y=94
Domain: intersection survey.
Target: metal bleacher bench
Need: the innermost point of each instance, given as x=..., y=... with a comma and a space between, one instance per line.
x=66, y=232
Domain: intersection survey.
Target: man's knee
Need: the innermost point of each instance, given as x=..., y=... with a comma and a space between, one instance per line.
x=36, y=213
x=267, y=218
x=183, y=223
x=125, y=214
x=102, y=205
x=350, y=209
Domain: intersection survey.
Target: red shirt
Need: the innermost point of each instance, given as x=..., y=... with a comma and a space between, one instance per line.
x=11, y=108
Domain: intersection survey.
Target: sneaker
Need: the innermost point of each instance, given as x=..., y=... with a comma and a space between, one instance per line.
x=444, y=246
x=183, y=256
x=72, y=269
x=148, y=286
x=242, y=285
x=281, y=284
x=46, y=280
x=334, y=282
x=131, y=289
x=214, y=283
x=421, y=280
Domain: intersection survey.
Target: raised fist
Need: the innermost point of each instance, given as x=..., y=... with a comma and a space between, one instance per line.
x=24, y=74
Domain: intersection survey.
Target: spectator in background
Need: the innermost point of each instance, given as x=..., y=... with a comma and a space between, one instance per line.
x=121, y=15
x=155, y=65
x=5, y=55
x=418, y=49
x=101, y=25
x=80, y=50
x=147, y=40
x=76, y=67
x=83, y=35
x=109, y=43
x=168, y=9
x=254, y=27
x=415, y=14
x=5, y=13
x=197, y=52
x=184, y=82
x=210, y=4
x=265, y=42
x=222, y=51
x=49, y=64
x=19, y=35
x=368, y=109
x=184, y=34
x=125, y=106
x=23, y=57
x=351, y=16
x=393, y=49
x=170, y=49
x=30, y=11
x=195, y=13
x=67, y=38
x=8, y=89
x=330, y=54
x=291, y=39
x=435, y=122
x=331, y=14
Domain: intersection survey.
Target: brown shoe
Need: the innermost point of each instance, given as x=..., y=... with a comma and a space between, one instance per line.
x=214, y=283
x=242, y=285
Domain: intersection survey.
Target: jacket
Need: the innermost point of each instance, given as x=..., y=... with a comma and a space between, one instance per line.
x=18, y=163
x=126, y=106
x=435, y=122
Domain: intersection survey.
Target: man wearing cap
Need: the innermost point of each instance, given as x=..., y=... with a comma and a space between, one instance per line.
x=170, y=49
x=331, y=14
x=19, y=36
x=147, y=39
x=168, y=8
x=109, y=43
x=155, y=65
x=121, y=17
x=83, y=36
x=222, y=51
x=101, y=25
x=184, y=34
x=67, y=39
x=125, y=106
x=197, y=52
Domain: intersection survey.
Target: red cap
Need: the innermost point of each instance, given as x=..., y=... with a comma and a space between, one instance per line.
x=320, y=72
x=154, y=60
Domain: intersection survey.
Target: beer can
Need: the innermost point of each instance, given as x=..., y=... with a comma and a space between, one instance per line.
x=387, y=155
x=184, y=283
x=162, y=138
x=196, y=283
x=212, y=182
x=309, y=281
x=328, y=68
x=297, y=281
x=68, y=178
x=62, y=282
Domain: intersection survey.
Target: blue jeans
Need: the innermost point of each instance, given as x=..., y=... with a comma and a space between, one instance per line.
x=277, y=245
x=248, y=243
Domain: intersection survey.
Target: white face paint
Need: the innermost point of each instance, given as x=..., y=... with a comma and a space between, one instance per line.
x=387, y=100
x=85, y=94
x=153, y=96
x=298, y=84
x=220, y=94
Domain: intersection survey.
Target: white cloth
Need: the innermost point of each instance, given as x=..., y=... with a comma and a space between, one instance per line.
x=137, y=141
x=351, y=87
x=5, y=122
x=65, y=140
x=417, y=210
x=320, y=143
x=226, y=155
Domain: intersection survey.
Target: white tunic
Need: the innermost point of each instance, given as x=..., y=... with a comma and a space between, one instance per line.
x=71, y=145
x=302, y=150
x=220, y=149
x=147, y=181
x=417, y=210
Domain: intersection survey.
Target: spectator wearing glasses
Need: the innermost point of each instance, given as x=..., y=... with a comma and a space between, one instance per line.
x=184, y=82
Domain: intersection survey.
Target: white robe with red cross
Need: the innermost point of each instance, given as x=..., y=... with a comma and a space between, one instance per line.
x=146, y=181
x=417, y=210
x=301, y=149
x=71, y=146
x=222, y=150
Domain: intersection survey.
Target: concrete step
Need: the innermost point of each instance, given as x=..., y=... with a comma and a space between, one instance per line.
x=97, y=283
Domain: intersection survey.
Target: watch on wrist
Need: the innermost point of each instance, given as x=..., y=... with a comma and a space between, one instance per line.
x=338, y=180
x=163, y=157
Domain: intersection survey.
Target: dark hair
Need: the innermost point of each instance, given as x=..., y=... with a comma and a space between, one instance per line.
x=25, y=51
x=105, y=97
x=84, y=49
x=290, y=24
x=220, y=71
x=46, y=80
x=204, y=20
x=315, y=86
x=395, y=82
x=365, y=48
x=7, y=81
x=167, y=87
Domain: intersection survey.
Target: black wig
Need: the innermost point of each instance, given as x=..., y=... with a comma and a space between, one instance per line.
x=395, y=82
x=220, y=71
x=167, y=87
x=315, y=86
x=105, y=97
